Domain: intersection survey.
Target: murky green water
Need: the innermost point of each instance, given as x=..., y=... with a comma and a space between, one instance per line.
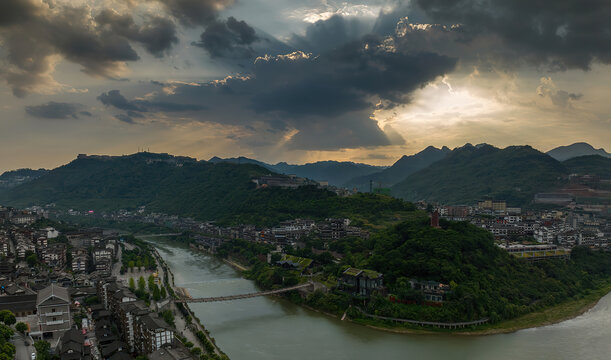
x=271, y=328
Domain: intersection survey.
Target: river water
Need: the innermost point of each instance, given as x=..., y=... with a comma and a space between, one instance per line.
x=272, y=328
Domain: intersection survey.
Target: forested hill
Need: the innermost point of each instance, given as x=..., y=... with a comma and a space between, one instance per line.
x=182, y=186
x=469, y=173
x=14, y=178
x=485, y=280
x=590, y=164
x=335, y=172
x=401, y=169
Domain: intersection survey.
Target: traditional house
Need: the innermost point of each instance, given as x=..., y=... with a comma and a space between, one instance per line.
x=433, y=291
x=53, y=308
x=72, y=346
x=361, y=282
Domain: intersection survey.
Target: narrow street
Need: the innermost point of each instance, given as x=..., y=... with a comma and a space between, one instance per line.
x=23, y=352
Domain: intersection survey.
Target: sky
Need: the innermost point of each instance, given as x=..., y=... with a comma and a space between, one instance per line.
x=299, y=81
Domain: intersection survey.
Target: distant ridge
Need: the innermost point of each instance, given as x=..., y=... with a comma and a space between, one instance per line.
x=401, y=169
x=335, y=172
x=470, y=173
x=205, y=190
x=17, y=177
x=562, y=153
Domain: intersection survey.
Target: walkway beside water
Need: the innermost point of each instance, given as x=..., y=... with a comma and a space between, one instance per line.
x=443, y=325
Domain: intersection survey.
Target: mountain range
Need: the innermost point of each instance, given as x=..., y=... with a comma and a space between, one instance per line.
x=182, y=186
x=563, y=153
x=470, y=172
x=401, y=169
x=221, y=189
x=335, y=172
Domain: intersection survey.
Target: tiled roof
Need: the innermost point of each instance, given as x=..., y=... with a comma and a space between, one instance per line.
x=53, y=291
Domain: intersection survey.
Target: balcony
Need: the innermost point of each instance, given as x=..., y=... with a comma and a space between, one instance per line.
x=51, y=323
x=57, y=313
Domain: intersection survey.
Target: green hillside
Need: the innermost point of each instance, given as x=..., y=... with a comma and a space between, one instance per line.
x=181, y=186
x=469, y=173
x=590, y=164
x=485, y=280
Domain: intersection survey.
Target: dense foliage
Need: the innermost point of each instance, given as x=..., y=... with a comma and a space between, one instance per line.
x=223, y=191
x=590, y=164
x=485, y=281
x=470, y=173
x=7, y=350
x=401, y=169
x=138, y=257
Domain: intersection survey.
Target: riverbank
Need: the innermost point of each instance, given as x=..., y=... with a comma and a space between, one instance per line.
x=558, y=313
x=552, y=315
x=549, y=316
x=195, y=330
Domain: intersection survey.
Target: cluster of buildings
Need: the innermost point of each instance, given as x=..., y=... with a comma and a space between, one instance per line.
x=211, y=235
x=73, y=268
x=537, y=234
x=78, y=251
x=140, y=330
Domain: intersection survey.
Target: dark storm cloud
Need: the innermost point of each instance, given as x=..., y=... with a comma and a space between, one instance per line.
x=134, y=108
x=195, y=12
x=99, y=44
x=158, y=35
x=325, y=35
x=557, y=34
x=115, y=99
x=327, y=98
x=15, y=11
x=55, y=110
x=228, y=38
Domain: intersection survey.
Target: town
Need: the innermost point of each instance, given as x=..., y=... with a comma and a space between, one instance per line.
x=89, y=294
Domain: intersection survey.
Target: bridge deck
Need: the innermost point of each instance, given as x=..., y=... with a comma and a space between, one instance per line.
x=242, y=296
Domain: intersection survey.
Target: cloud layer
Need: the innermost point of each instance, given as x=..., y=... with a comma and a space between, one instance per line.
x=559, y=35
x=56, y=110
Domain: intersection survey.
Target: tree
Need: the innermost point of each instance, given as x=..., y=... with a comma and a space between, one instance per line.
x=7, y=317
x=151, y=282
x=163, y=292
x=156, y=293
x=42, y=350
x=32, y=260
x=132, y=284
x=141, y=284
x=21, y=327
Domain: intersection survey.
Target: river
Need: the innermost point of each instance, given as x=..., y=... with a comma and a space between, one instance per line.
x=272, y=328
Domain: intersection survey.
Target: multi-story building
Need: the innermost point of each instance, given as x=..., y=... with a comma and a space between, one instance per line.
x=54, y=255
x=4, y=247
x=102, y=253
x=79, y=263
x=23, y=246
x=152, y=333
x=128, y=313
x=24, y=219
x=53, y=309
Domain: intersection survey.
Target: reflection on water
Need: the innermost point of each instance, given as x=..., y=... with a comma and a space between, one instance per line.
x=272, y=328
